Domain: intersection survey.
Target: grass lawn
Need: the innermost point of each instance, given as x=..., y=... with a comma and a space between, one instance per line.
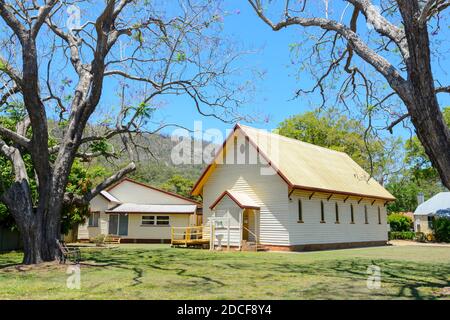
x=160, y=272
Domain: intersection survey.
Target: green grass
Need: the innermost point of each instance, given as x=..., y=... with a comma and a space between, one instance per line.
x=160, y=272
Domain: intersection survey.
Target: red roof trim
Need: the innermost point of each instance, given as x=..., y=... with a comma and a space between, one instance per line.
x=153, y=188
x=234, y=200
x=215, y=157
x=144, y=213
x=291, y=185
x=340, y=192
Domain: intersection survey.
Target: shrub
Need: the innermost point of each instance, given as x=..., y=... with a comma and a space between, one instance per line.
x=98, y=240
x=420, y=237
x=399, y=222
x=401, y=235
x=441, y=229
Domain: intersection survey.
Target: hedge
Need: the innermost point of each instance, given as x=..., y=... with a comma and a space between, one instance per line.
x=399, y=222
x=401, y=235
x=441, y=229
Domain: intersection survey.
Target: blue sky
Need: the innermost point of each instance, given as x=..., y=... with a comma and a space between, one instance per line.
x=271, y=56
x=273, y=99
x=275, y=91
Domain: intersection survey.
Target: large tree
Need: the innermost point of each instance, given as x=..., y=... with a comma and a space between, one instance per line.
x=417, y=176
x=395, y=41
x=334, y=130
x=59, y=68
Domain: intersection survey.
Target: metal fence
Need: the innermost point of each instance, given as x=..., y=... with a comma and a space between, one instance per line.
x=9, y=240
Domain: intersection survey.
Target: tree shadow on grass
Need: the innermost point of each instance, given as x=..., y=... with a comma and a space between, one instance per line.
x=155, y=259
x=183, y=272
x=405, y=276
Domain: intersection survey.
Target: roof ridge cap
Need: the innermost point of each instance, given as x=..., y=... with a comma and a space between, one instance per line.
x=292, y=139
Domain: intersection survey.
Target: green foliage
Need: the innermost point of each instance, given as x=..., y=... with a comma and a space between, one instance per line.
x=138, y=36
x=180, y=57
x=14, y=112
x=180, y=185
x=417, y=159
x=420, y=237
x=405, y=190
x=81, y=180
x=100, y=146
x=335, y=131
x=418, y=176
x=399, y=222
x=441, y=229
x=401, y=235
x=99, y=240
x=144, y=110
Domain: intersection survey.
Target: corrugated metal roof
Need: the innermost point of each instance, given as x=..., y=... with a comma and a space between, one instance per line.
x=432, y=205
x=153, y=208
x=109, y=196
x=241, y=199
x=310, y=166
x=153, y=188
x=306, y=166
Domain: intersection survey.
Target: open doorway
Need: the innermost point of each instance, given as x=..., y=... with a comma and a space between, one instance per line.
x=118, y=224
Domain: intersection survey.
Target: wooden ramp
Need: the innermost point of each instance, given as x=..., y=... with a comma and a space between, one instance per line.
x=189, y=237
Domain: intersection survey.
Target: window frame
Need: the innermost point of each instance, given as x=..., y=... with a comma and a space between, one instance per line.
x=162, y=224
x=430, y=221
x=379, y=215
x=147, y=218
x=352, y=214
x=336, y=208
x=322, y=212
x=93, y=220
x=300, y=211
x=366, y=215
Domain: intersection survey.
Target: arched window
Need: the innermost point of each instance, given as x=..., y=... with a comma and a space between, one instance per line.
x=337, y=212
x=322, y=212
x=352, y=214
x=300, y=211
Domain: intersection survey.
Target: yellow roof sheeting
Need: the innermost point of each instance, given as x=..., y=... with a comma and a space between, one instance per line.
x=307, y=166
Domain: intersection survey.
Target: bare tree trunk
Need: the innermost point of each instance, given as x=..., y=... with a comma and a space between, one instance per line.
x=52, y=223
x=40, y=221
x=418, y=91
x=423, y=106
x=18, y=200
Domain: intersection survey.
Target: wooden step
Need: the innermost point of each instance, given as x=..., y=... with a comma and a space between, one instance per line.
x=252, y=246
x=112, y=240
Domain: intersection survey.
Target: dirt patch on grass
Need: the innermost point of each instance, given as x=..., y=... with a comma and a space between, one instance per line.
x=415, y=243
x=443, y=292
x=45, y=266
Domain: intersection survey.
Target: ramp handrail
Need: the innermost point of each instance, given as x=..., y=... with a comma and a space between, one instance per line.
x=254, y=235
x=186, y=233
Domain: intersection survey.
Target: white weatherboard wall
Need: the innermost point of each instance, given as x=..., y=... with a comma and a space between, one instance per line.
x=128, y=191
x=314, y=232
x=131, y=192
x=421, y=224
x=228, y=212
x=270, y=192
x=138, y=231
x=278, y=217
x=97, y=204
